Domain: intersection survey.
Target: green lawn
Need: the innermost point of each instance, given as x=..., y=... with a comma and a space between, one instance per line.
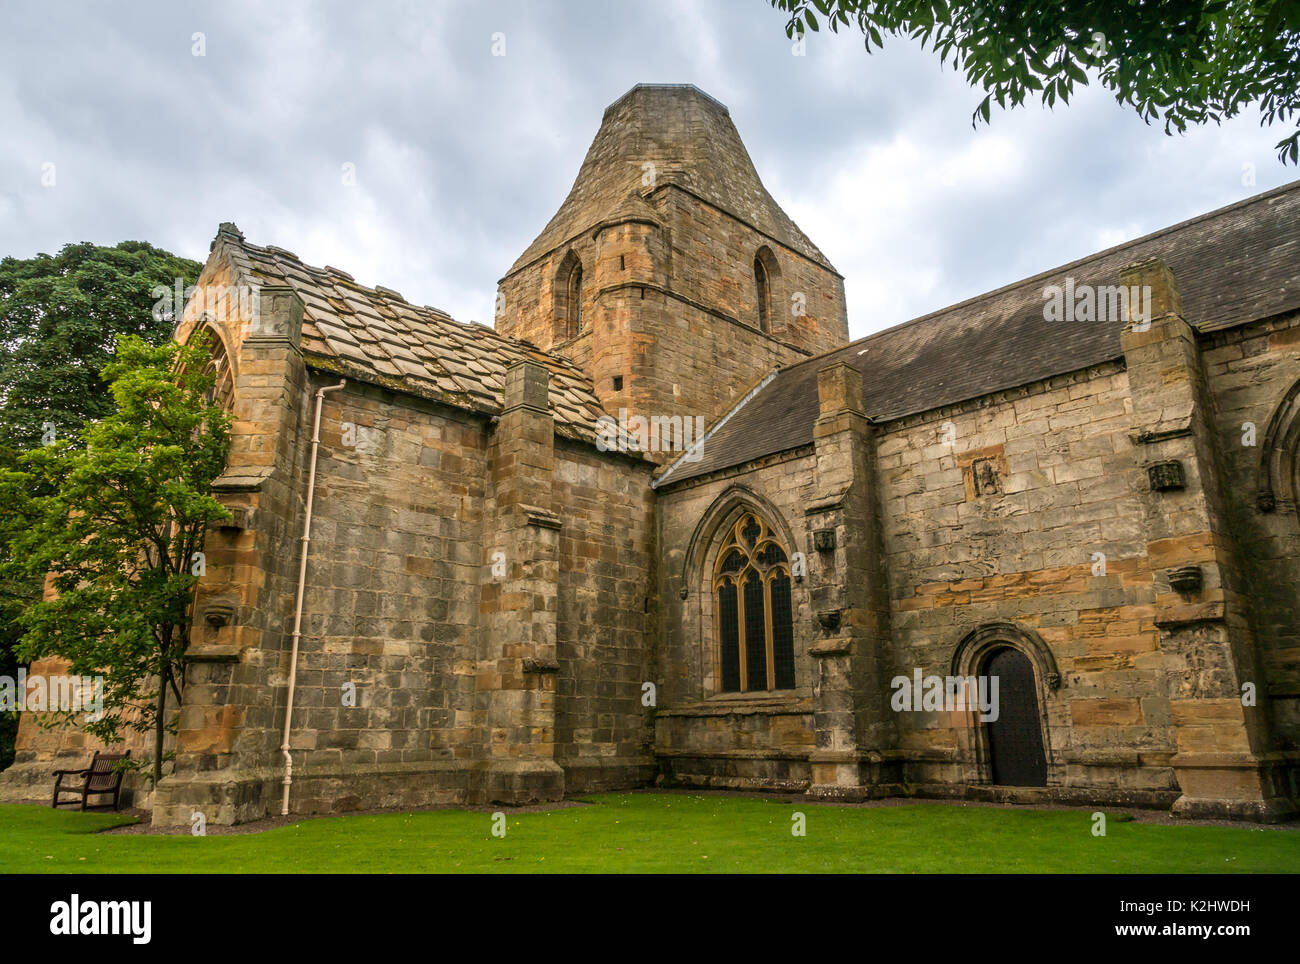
x=657, y=833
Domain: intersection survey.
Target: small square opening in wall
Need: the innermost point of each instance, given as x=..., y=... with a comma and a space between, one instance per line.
x=1166, y=476
x=618, y=383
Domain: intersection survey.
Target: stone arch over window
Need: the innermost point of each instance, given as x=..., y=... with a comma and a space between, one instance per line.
x=705, y=539
x=753, y=610
x=766, y=274
x=220, y=364
x=569, y=322
x=1279, y=470
x=701, y=612
x=971, y=658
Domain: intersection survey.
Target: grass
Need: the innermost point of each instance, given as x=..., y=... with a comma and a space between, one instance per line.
x=652, y=833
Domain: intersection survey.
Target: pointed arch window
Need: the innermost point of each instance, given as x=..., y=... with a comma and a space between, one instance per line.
x=566, y=292
x=767, y=284
x=222, y=390
x=575, y=301
x=751, y=584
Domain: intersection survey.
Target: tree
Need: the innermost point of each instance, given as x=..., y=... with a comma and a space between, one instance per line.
x=1185, y=62
x=59, y=320
x=121, y=532
x=15, y=594
x=59, y=317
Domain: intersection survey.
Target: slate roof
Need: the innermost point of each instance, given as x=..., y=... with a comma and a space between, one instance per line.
x=1232, y=266
x=373, y=335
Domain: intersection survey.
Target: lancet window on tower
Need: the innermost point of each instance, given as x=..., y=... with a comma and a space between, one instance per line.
x=568, y=298
x=575, y=301
x=767, y=273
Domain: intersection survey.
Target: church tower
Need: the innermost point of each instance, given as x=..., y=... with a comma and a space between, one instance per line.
x=669, y=274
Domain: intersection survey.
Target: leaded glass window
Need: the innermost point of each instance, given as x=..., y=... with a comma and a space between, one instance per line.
x=755, y=618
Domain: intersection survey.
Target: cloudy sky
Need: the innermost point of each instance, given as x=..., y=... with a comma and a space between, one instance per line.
x=460, y=156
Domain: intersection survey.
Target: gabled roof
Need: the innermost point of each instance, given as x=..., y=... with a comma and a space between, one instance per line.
x=373, y=335
x=1233, y=265
x=691, y=142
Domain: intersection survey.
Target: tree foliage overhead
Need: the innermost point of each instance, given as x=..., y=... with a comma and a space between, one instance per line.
x=127, y=508
x=1180, y=62
x=60, y=317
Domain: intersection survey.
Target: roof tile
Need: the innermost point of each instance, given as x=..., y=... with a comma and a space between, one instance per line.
x=422, y=350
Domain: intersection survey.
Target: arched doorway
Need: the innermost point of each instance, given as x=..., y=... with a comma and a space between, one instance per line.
x=1015, y=738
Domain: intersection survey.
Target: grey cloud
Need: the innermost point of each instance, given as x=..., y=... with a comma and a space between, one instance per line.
x=461, y=157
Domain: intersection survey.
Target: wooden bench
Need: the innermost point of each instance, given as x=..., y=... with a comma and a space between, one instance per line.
x=98, y=779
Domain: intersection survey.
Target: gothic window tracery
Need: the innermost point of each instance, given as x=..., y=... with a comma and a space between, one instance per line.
x=222, y=390
x=751, y=584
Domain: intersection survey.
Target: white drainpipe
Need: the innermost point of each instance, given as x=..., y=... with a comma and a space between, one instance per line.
x=302, y=585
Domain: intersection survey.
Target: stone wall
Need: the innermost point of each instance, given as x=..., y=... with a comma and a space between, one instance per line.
x=1254, y=374
x=474, y=602
x=703, y=736
x=1030, y=518
x=1067, y=503
x=1069, y=488
x=391, y=609
x=606, y=621
x=712, y=265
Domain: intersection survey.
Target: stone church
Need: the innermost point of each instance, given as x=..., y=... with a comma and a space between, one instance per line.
x=1096, y=508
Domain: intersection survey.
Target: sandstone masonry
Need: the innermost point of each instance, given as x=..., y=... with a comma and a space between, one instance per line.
x=499, y=611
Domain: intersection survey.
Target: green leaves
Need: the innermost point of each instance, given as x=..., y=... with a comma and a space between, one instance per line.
x=120, y=513
x=1185, y=62
x=59, y=318
x=1287, y=149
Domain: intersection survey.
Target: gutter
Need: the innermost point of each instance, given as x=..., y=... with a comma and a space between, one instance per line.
x=302, y=584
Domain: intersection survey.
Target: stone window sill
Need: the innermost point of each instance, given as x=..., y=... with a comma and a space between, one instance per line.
x=778, y=703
